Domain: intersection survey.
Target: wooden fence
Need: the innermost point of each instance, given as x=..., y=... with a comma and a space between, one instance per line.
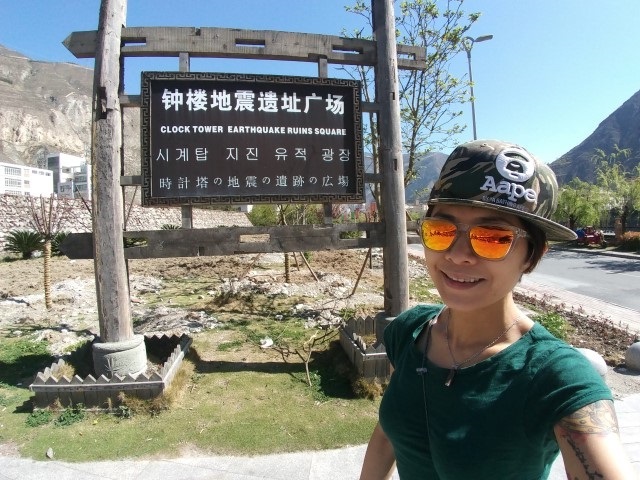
x=50, y=388
x=370, y=361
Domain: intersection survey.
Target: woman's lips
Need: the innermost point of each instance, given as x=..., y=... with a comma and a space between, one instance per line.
x=461, y=281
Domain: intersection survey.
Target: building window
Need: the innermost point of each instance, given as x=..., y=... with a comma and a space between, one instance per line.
x=12, y=182
x=16, y=172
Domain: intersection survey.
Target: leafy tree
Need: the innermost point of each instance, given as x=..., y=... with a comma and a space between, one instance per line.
x=621, y=188
x=430, y=98
x=24, y=242
x=580, y=204
x=267, y=215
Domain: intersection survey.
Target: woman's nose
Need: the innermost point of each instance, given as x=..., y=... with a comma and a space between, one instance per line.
x=461, y=250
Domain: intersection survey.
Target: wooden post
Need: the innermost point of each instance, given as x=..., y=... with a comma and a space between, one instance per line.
x=186, y=210
x=111, y=282
x=323, y=72
x=112, y=288
x=395, y=260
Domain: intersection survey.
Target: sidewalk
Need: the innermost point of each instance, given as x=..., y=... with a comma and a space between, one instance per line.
x=327, y=464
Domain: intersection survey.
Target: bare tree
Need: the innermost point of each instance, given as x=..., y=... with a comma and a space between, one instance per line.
x=48, y=215
x=430, y=99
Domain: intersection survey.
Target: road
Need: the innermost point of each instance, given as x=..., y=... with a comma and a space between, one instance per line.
x=611, y=279
x=608, y=278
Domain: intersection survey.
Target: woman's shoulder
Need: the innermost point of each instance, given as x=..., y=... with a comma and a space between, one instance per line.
x=552, y=356
x=412, y=320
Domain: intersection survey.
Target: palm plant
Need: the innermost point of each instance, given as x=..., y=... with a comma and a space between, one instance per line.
x=24, y=242
x=56, y=241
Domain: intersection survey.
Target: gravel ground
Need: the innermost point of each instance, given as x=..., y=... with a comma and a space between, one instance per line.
x=74, y=314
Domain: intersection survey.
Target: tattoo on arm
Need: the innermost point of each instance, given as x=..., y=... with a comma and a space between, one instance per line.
x=598, y=418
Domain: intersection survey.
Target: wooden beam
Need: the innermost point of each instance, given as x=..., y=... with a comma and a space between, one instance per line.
x=130, y=180
x=130, y=100
x=213, y=42
x=234, y=240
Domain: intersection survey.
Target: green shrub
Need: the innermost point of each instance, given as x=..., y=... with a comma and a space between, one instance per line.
x=630, y=242
x=168, y=226
x=554, y=323
x=70, y=415
x=134, y=242
x=24, y=243
x=350, y=234
x=39, y=417
x=57, y=241
x=263, y=215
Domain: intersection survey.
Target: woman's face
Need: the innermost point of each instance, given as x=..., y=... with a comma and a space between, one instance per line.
x=466, y=281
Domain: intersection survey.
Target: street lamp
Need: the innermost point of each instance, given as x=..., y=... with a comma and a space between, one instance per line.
x=467, y=44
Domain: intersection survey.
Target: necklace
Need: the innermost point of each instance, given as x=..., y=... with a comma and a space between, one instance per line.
x=456, y=365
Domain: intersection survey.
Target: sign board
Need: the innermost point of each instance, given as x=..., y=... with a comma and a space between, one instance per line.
x=210, y=138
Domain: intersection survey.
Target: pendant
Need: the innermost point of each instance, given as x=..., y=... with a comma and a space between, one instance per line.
x=452, y=373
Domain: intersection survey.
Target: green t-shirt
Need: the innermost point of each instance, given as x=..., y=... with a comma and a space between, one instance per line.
x=496, y=419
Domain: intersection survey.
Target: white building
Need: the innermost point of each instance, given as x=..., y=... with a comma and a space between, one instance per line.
x=71, y=175
x=24, y=180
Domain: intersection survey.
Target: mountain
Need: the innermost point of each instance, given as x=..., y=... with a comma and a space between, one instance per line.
x=428, y=168
x=45, y=107
x=621, y=128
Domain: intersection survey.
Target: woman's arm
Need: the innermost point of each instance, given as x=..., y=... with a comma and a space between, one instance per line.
x=379, y=460
x=590, y=444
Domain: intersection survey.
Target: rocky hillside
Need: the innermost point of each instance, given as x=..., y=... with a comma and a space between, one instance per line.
x=621, y=128
x=46, y=107
x=428, y=169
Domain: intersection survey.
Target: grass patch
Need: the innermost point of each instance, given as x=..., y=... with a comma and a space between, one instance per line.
x=22, y=358
x=421, y=289
x=241, y=400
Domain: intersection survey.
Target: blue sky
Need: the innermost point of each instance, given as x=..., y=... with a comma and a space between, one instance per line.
x=553, y=71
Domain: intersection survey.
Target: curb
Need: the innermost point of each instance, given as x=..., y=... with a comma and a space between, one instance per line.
x=593, y=251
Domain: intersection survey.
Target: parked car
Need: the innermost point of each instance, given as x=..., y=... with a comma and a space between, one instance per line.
x=590, y=236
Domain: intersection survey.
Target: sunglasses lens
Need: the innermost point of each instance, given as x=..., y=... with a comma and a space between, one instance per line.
x=491, y=242
x=438, y=235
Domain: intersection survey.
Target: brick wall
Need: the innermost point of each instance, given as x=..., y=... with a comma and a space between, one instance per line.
x=15, y=214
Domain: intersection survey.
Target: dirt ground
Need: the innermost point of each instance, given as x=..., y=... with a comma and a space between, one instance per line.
x=74, y=314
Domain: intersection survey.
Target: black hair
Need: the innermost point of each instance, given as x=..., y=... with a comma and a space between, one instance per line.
x=537, y=244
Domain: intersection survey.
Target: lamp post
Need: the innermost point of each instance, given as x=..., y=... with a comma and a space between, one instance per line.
x=467, y=44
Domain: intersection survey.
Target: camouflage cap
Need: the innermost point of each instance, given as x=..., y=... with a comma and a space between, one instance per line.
x=501, y=176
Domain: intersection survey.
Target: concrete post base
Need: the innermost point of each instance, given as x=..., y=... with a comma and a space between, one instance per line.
x=121, y=358
x=380, y=321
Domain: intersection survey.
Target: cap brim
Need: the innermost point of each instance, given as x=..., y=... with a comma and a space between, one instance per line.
x=554, y=230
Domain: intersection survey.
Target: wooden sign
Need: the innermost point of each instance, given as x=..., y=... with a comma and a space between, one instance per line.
x=211, y=138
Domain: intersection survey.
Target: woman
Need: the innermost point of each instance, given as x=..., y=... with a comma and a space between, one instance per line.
x=480, y=391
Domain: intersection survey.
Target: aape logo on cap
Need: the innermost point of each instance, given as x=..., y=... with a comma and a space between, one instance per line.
x=515, y=165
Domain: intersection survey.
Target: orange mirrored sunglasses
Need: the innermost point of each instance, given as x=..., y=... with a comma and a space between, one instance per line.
x=492, y=242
